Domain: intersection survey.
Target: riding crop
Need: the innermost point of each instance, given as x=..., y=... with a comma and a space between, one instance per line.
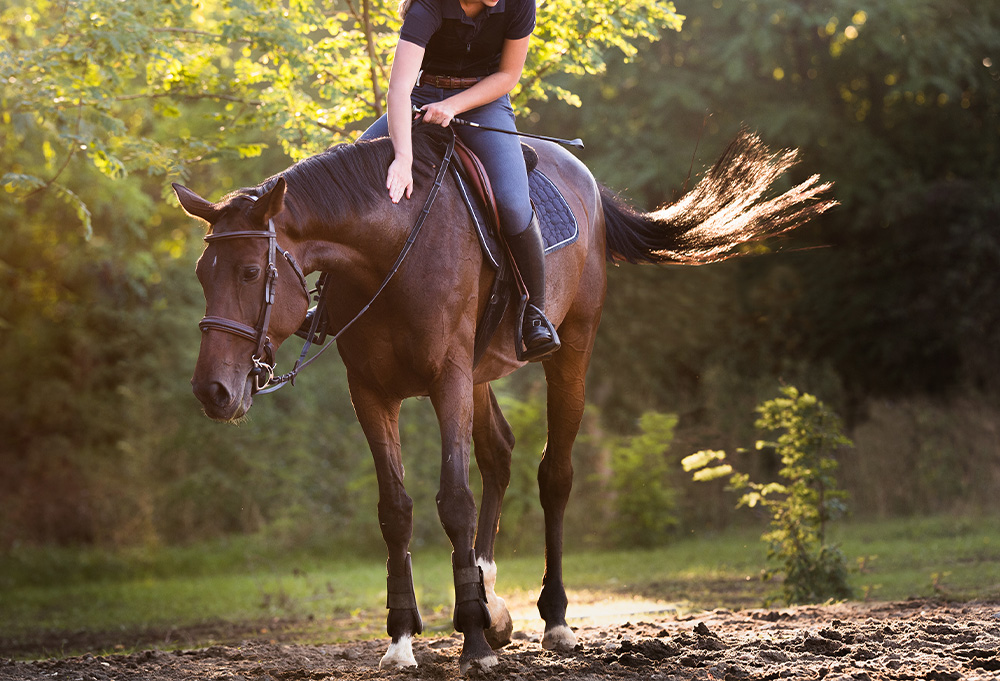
x=578, y=143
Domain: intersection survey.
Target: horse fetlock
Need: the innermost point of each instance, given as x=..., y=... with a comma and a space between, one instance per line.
x=552, y=603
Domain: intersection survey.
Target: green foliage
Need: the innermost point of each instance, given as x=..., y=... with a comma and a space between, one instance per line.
x=802, y=505
x=81, y=78
x=643, y=496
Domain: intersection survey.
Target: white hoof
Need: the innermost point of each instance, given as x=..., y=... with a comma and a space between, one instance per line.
x=399, y=655
x=482, y=664
x=560, y=638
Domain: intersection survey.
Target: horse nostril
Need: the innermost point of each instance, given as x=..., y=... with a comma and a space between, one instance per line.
x=213, y=393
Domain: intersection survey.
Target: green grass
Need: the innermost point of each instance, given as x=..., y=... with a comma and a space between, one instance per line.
x=331, y=597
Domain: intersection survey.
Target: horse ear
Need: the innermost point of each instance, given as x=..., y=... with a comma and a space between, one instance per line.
x=194, y=205
x=271, y=203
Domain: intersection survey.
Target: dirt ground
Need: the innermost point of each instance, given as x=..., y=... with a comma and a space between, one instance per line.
x=909, y=640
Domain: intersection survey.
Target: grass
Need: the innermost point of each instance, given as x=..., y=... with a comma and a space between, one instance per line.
x=45, y=594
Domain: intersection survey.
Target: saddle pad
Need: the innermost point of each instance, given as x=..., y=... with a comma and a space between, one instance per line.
x=557, y=222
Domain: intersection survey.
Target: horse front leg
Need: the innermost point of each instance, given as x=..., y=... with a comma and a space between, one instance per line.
x=493, y=441
x=379, y=418
x=453, y=403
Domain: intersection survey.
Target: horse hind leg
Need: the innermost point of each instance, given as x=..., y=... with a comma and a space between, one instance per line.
x=493, y=440
x=564, y=374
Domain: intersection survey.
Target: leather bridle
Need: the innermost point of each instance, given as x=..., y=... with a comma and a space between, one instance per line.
x=263, y=357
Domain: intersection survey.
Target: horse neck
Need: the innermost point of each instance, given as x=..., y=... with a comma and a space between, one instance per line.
x=351, y=242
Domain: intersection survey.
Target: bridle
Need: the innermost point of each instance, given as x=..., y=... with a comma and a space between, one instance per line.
x=263, y=357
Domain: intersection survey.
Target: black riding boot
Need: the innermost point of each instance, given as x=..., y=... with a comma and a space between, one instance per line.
x=537, y=333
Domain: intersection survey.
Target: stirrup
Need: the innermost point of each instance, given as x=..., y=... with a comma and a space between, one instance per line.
x=539, y=352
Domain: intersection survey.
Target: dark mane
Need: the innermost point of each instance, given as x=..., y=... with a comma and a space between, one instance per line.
x=349, y=179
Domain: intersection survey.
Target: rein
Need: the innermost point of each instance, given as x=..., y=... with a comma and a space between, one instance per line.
x=259, y=334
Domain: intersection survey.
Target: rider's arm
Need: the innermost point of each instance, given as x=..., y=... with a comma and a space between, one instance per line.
x=405, y=67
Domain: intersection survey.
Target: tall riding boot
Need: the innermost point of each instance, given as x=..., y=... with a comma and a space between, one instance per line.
x=537, y=333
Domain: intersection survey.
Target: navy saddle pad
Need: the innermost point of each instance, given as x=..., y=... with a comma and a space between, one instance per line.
x=557, y=222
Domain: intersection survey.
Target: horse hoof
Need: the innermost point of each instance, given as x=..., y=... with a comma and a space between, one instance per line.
x=559, y=638
x=481, y=664
x=399, y=655
x=499, y=633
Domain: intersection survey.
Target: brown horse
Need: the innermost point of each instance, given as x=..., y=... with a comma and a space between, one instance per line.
x=331, y=213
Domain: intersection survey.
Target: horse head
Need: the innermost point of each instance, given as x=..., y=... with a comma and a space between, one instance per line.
x=253, y=302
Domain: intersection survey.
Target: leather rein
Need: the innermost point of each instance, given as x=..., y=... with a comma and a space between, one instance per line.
x=263, y=358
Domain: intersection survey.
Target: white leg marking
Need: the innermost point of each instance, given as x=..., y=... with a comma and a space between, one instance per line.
x=483, y=663
x=400, y=654
x=498, y=633
x=494, y=603
x=559, y=638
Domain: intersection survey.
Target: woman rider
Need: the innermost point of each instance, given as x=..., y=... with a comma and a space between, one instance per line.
x=462, y=58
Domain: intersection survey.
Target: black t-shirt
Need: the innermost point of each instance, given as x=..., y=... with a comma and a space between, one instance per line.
x=456, y=45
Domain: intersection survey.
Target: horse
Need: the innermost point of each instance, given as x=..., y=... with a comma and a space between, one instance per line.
x=414, y=337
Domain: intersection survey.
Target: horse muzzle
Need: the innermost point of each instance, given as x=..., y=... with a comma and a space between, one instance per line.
x=224, y=403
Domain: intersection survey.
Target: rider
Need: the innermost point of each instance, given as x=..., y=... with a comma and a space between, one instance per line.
x=462, y=58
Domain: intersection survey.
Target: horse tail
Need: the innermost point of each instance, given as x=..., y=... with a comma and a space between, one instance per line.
x=726, y=209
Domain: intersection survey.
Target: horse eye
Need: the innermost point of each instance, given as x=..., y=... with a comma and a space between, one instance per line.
x=250, y=273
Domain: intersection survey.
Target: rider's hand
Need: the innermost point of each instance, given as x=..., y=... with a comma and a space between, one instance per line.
x=439, y=113
x=399, y=180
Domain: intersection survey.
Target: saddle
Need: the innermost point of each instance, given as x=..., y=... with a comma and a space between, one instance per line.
x=558, y=225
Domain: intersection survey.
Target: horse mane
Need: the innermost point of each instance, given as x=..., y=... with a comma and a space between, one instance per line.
x=348, y=179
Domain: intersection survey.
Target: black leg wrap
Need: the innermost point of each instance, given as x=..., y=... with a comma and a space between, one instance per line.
x=470, y=588
x=400, y=594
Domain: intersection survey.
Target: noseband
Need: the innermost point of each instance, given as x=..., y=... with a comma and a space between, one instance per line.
x=263, y=357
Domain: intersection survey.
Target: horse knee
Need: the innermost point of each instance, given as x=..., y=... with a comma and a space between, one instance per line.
x=457, y=511
x=395, y=515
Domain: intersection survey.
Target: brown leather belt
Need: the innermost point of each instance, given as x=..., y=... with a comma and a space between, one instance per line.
x=447, y=82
